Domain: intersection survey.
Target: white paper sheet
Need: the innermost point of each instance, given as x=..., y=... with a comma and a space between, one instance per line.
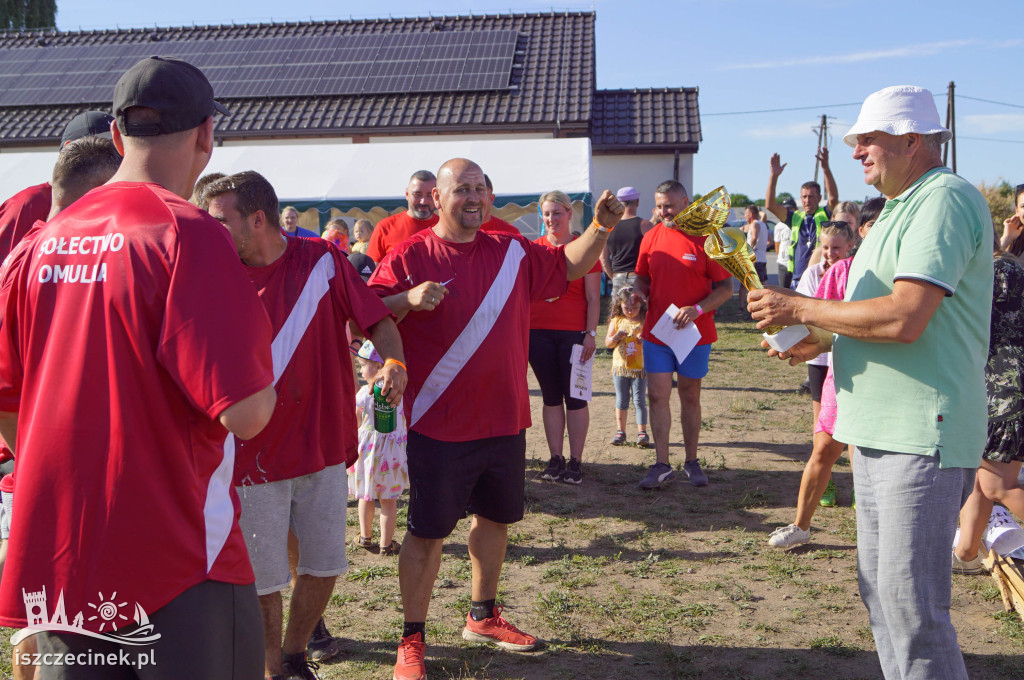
x=579, y=378
x=681, y=340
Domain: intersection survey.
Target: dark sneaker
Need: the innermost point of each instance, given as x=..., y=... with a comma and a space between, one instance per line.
x=691, y=469
x=298, y=667
x=554, y=470
x=499, y=631
x=574, y=473
x=322, y=645
x=643, y=441
x=656, y=474
x=411, y=664
x=619, y=439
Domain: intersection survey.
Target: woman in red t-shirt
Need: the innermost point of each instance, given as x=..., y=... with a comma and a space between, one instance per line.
x=556, y=325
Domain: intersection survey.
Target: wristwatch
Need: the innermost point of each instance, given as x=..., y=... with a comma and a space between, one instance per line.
x=592, y=334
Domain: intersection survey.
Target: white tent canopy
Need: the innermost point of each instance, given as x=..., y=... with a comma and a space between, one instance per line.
x=339, y=172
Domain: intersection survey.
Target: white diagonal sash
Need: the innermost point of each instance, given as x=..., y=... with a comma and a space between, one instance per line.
x=469, y=340
x=218, y=511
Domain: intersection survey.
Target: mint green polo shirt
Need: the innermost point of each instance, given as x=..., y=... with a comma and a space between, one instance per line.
x=926, y=397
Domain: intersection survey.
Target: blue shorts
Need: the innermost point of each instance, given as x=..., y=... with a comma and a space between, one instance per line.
x=661, y=359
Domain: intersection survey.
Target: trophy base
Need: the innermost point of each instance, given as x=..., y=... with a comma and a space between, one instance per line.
x=787, y=337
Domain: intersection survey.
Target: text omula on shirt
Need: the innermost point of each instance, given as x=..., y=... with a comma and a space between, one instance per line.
x=78, y=245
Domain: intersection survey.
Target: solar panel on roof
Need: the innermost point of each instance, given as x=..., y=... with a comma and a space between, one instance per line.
x=271, y=67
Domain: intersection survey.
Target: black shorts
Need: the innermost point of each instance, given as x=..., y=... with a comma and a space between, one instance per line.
x=815, y=379
x=448, y=480
x=551, y=361
x=212, y=630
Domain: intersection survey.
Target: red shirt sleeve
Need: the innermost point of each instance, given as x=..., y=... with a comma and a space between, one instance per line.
x=357, y=301
x=215, y=340
x=548, y=270
x=375, y=249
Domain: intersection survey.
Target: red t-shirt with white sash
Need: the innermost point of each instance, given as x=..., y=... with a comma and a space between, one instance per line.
x=310, y=293
x=467, y=358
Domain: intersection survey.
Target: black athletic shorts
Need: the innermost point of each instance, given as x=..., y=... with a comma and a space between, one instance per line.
x=816, y=378
x=212, y=630
x=448, y=480
x=551, y=361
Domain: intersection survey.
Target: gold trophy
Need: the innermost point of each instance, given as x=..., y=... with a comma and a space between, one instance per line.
x=728, y=247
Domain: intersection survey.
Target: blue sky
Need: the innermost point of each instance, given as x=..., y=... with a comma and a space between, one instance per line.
x=744, y=55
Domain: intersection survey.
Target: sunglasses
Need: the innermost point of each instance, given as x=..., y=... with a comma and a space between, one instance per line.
x=839, y=224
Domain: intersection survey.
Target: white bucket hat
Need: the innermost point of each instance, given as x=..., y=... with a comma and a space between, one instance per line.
x=898, y=110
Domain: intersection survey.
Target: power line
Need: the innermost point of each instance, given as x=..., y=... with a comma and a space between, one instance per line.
x=989, y=139
x=989, y=101
x=795, y=108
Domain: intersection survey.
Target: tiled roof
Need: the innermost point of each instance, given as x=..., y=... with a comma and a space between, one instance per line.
x=552, y=92
x=651, y=120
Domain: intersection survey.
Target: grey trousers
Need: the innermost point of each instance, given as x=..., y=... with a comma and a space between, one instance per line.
x=907, y=509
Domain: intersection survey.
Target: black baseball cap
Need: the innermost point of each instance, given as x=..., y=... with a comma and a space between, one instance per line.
x=176, y=89
x=363, y=264
x=87, y=124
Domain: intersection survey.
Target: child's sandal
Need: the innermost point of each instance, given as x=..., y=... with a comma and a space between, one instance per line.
x=391, y=550
x=619, y=439
x=366, y=543
x=643, y=441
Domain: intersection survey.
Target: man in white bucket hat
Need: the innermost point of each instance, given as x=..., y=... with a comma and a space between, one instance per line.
x=909, y=351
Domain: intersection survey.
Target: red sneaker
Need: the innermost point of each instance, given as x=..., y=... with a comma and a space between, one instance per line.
x=410, y=664
x=499, y=631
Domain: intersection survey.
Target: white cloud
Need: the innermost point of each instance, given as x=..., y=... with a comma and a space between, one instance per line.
x=920, y=50
x=790, y=131
x=993, y=123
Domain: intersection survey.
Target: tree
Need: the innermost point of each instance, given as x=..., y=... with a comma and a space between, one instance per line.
x=784, y=196
x=16, y=15
x=999, y=197
x=740, y=200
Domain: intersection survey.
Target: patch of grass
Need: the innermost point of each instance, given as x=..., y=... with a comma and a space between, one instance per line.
x=826, y=554
x=1011, y=627
x=834, y=645
x=715, y=462
x=765, y=404
x=753, y=499
x=372, y=572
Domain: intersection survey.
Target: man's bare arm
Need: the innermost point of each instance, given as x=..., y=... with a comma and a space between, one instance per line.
x=388, y=343
x=900, y=316
x=770, y=204
x=581, y=254
x=831, y=189
x=247, y=418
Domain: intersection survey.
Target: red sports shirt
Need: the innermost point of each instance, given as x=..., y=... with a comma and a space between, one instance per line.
x=310, y=293
x=477, y=372
x=19, y=212
x=392, y=230
x=567, y=312
x=681, y=273
x=499, y=225
x=129, y=326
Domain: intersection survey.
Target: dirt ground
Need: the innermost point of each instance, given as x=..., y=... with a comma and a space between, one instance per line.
x=675, y=583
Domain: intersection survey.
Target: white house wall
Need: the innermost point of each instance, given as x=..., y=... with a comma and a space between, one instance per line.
x=643, y=171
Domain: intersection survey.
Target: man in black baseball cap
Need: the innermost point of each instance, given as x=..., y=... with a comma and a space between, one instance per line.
x=22, y=210
x=172, y=352
x=175, y=90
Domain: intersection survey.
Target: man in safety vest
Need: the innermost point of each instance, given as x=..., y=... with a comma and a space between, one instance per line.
x=805, y=223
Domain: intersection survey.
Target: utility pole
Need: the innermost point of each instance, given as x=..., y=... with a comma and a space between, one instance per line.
x=951, y=126
x=822, y=139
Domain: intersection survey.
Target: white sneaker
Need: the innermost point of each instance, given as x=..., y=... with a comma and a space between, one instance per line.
x=789, y=537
